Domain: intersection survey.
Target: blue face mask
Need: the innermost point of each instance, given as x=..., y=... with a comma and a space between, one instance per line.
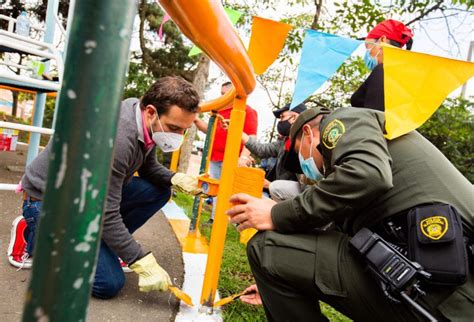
x=308, y=166
x=370, y=62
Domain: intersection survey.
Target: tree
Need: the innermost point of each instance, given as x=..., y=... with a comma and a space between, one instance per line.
x=451, y=129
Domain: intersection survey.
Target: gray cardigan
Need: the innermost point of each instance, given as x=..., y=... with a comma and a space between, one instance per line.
x=272, y=150
x=129, y=156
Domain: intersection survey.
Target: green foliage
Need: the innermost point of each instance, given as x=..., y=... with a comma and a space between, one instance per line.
x=138, y=80
x=451, y=129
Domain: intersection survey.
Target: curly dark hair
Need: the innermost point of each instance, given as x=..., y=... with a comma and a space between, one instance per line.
x=171, y=90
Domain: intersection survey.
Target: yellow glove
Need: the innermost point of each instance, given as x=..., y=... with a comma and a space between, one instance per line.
x=186, y=183
x=151, y=276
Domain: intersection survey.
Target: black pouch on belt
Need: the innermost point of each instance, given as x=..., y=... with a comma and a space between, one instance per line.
x=435, y=241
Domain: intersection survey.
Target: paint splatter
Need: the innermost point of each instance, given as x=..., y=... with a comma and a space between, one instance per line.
x=82, y=247
x=78, y=283
x=93, y=228
x=71, y=94
x=86, y=174
x=90, y=46
x=40, y=315
x=62, y=167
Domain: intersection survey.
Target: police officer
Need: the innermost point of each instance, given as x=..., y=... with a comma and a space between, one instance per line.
x=364, y=181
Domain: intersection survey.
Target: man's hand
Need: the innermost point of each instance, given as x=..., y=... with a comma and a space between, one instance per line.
x=252, y=295
x=186, y=183
x=245, y=161
x=266, y=184
x=251, y=212
x=151, y=276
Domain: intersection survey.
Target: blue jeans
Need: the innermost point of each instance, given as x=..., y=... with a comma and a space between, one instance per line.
x=31, y=212
x=215, y=170
x=140, y=201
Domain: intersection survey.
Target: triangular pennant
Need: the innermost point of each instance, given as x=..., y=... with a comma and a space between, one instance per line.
x=415, y=85
x=321, y=56
x=263, y=50
x=166, y=18
x=233, y=15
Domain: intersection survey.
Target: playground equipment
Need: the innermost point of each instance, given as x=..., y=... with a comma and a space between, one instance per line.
x=89, y=102
x=44, y=53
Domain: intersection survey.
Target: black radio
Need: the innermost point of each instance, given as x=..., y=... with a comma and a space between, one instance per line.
x=398, y=276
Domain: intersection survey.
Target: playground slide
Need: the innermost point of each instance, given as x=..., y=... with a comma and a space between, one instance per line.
x=205, y=23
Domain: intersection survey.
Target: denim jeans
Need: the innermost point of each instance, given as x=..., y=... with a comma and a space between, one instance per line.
x=31, y=212
x=140, y=201
x=215, y=170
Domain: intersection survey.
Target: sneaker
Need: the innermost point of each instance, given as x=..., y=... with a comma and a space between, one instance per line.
x=125, y=267
x=16, y=252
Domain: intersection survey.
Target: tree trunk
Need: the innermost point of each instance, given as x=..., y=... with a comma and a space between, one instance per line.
x=199, y=82
x=15, y=103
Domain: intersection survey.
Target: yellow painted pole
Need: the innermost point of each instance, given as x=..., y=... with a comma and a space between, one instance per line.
x=219, y=227
x=175, y=160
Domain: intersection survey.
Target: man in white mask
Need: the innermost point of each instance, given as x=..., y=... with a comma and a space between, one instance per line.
x=160, y=118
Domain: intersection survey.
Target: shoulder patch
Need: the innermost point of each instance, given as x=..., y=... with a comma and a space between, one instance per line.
x=332, y=133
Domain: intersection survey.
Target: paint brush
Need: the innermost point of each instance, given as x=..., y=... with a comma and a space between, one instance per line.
x=181, y=295
x=229, y=299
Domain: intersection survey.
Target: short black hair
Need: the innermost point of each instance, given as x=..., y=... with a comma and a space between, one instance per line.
x=171, y=90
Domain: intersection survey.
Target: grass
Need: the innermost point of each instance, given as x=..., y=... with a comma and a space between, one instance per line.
x=235, y=273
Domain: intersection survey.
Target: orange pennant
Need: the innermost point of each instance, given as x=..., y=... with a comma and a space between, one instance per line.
x=266, y=42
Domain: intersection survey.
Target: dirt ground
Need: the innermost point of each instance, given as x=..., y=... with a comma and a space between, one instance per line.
x=130, y=304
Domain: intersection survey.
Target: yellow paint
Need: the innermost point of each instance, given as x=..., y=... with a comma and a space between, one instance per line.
x=249, y=181
x=180, y=228
x=181, y=295
x=175, y=160
x=205, y=23
x=209, y=186
x=415, y=86
x=263, y=48
x=219, y=228
x=194, y=242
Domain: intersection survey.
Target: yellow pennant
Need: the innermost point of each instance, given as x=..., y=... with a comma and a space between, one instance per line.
x=266, y=42
x=416, y=85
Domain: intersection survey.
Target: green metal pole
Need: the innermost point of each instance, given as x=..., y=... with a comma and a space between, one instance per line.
x=202, y=169
x=80, y=161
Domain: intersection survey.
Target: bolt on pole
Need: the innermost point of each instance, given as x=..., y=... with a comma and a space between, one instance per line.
x=80, y=160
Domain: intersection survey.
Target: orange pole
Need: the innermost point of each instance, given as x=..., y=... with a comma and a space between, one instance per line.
x=219, y=227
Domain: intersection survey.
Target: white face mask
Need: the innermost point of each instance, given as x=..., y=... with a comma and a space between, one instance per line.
x=166, y=141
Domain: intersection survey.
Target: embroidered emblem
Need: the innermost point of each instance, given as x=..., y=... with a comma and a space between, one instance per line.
x=332, y=133
x=434, y=227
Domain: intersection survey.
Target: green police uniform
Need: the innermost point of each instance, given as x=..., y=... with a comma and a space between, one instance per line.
x=366, y=179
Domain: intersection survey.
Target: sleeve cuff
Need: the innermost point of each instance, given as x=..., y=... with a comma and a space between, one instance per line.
x=284, y=217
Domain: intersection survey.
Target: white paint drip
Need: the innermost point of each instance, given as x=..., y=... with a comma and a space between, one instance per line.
x=95, y=192
x=62, y=167
x=86, y=156
x=86, y=174
x=76, y=201
x=40, y=315
x=123, y=33
x=54, y=253
x=78, y=283
x=57, y=269
x=86, y=264
x=90, y=46
x=82, y=247
x=111, y=143
x=93, y=228
x=71, y=94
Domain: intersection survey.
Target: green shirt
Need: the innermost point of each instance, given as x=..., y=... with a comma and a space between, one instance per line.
x=367, y=178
